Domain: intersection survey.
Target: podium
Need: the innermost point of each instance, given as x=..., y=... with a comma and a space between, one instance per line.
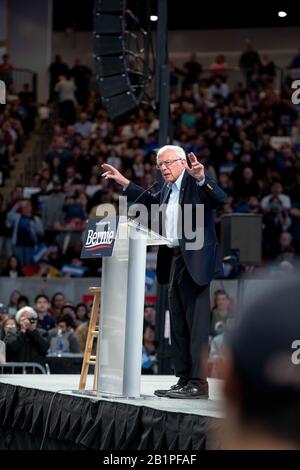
x=119, y=348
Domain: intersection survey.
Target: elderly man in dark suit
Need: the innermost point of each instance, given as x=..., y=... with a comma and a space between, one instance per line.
x=187, y=268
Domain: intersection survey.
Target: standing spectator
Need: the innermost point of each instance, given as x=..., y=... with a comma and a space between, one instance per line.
x=267, y=69
x=45, y=320
x=276, y=220
x=220, y=311
x=192, y=70
x=217, y=347
x=56, y=69
x=65, y=89
x=29, y=344
x=6, y=70
x=27, y=228
x=149, y=359
x=81, y=75
x=295, y=62
x=27, y=101
x=249, y=62
x=286, y=249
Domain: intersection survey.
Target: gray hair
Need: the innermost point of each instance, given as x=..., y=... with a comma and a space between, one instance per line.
x=26, y=309
x=179, y=152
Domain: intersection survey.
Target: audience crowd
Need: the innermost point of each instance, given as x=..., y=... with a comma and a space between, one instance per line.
x=246, y=135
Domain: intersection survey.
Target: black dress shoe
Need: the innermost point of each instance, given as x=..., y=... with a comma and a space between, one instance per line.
x=164, y=393
x=190, y=391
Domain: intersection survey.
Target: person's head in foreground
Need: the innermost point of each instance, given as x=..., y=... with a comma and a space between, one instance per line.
x=262, y=372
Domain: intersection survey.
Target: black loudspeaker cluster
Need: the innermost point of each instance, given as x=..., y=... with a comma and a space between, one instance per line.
x=110, y=57
x=242, y=234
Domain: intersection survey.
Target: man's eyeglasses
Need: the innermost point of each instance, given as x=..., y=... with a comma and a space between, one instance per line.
x=167, y=163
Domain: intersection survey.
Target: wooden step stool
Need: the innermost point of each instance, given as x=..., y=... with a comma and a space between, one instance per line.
x=93, y=332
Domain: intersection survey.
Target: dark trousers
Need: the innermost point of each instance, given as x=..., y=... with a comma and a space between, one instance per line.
x=189, y=317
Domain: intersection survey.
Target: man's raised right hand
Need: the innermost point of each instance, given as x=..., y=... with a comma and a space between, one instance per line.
x=113, y=174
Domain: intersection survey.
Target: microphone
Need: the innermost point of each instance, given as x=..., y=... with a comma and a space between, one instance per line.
x=139, y=196
x=142, y=193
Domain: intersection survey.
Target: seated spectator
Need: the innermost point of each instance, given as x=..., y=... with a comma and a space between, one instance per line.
x=57, y=303
x=276, y=191
x=84, y=126
x=69, y=309
x=45, y=320
x=29, y=344
x=43, y=269
x=59, y=150
x=38, y=199
x=63, y=339
x=217, y=347
x=81, y=312
x=70, y=222
x=149, y=314
x=13, y=302
x=8, y=327
x=51, y=208
x=218, y=88
x=3, y=317
x=22, y=302
x=13, y=268
x=81, y=333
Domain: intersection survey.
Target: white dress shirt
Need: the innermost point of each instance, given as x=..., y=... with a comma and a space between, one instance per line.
x=172, y=210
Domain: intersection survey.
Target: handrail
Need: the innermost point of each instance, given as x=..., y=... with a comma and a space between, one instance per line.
x=23, y=365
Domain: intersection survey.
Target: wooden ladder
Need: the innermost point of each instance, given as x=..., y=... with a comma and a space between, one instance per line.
x=93, y=332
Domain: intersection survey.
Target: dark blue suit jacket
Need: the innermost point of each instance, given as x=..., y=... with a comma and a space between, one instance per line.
x=202, y=264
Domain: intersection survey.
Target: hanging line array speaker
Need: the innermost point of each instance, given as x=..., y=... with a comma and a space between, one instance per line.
x=112, y=68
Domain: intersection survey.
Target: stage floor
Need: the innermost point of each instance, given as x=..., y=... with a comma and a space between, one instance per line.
x=69, y=383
